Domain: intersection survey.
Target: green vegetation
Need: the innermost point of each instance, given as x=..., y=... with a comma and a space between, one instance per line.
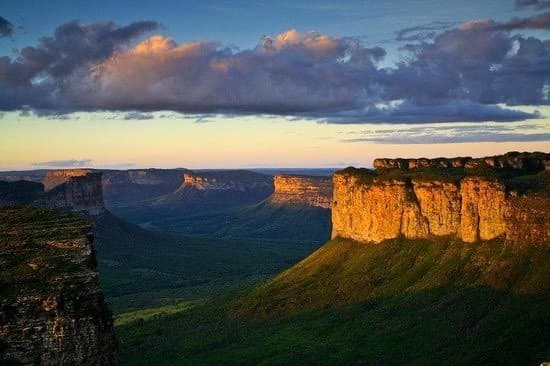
x=398, y=302
x=141, y=268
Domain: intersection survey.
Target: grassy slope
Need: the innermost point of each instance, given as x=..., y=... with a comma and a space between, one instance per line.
x=400, y=302
x=142, y=268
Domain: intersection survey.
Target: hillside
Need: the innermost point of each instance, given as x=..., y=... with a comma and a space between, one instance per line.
x=398, y=302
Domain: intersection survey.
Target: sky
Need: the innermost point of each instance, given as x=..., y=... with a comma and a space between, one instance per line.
x=243, y=84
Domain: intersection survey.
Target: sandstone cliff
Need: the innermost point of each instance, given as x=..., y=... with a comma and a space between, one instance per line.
x=373, y=207
x=52, y=310
x=304, y=190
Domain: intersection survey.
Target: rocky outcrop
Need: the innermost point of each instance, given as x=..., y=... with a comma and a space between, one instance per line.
x=512, y=160
x=374, y=208
x=52, y=311
x=303, y=190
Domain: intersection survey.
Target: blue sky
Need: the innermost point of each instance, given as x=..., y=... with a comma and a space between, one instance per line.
x=330, y=85
x=242, y=22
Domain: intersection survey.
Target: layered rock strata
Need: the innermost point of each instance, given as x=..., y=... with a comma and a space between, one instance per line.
x=472, y=209
x=303, y=190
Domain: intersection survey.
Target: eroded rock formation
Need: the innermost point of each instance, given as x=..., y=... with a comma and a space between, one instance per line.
x=52, y=311
x=372, y=208
x=309, y=191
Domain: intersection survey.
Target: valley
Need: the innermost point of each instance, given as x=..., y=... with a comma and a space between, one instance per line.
x=415, y=262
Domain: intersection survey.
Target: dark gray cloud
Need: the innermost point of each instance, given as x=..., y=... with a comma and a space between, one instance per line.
x=6, y=27
x=539, y=4
x=41, y=74
x=464, y=73
x=64, y=163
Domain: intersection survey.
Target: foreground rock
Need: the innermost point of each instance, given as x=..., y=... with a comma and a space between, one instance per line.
x=52, y=311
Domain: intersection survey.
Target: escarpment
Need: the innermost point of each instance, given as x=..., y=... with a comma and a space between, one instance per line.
x=510, y=201
x=52, y=311
x=309, y=191
x=229, y=180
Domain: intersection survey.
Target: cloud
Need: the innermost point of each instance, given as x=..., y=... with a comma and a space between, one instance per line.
x=444, y=111
x=6, y=27
x=41, y=75
x=539, y=4
x=422, y=32
x=438, y=134
x=472, y=72
x=64, y=163
x=540, y=21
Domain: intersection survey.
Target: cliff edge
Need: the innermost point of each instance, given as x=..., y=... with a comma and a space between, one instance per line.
x=52, y=310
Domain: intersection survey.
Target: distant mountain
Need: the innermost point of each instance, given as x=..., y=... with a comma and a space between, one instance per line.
x=236, y=204
x=209, y=190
